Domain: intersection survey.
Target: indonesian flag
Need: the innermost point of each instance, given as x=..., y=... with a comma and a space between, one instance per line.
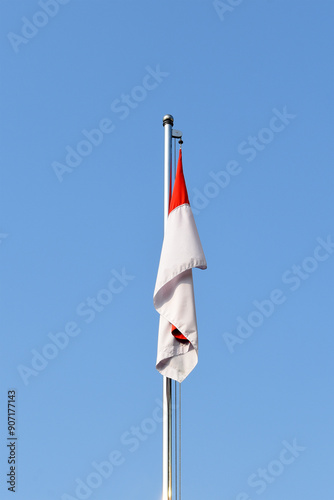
x=174, y=292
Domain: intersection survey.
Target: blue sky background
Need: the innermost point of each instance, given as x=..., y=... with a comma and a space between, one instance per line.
x=226, y=73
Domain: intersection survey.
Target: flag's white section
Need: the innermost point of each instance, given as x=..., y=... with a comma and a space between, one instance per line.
x=174, y=295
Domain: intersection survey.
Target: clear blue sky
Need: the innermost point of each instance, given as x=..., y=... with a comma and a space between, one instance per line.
x=84, y=87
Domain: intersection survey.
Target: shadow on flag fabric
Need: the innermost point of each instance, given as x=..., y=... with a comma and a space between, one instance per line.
x=174, y=292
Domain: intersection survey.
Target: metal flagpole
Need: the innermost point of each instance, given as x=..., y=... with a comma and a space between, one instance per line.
x=168, y=122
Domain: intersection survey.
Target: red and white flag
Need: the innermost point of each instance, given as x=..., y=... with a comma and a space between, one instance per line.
x=174, y=293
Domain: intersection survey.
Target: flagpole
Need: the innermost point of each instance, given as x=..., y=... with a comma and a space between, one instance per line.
x=168, y=122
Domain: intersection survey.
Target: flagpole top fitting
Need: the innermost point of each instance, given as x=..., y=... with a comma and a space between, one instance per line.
x=168, y=119
x=180, y=142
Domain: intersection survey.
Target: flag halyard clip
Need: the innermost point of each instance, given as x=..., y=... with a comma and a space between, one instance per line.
x=177, y=134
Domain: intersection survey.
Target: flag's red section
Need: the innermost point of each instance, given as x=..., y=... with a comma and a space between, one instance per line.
x=179, y=336
x=180, y=195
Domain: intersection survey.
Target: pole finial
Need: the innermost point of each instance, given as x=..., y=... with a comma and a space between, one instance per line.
x=168, y=119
